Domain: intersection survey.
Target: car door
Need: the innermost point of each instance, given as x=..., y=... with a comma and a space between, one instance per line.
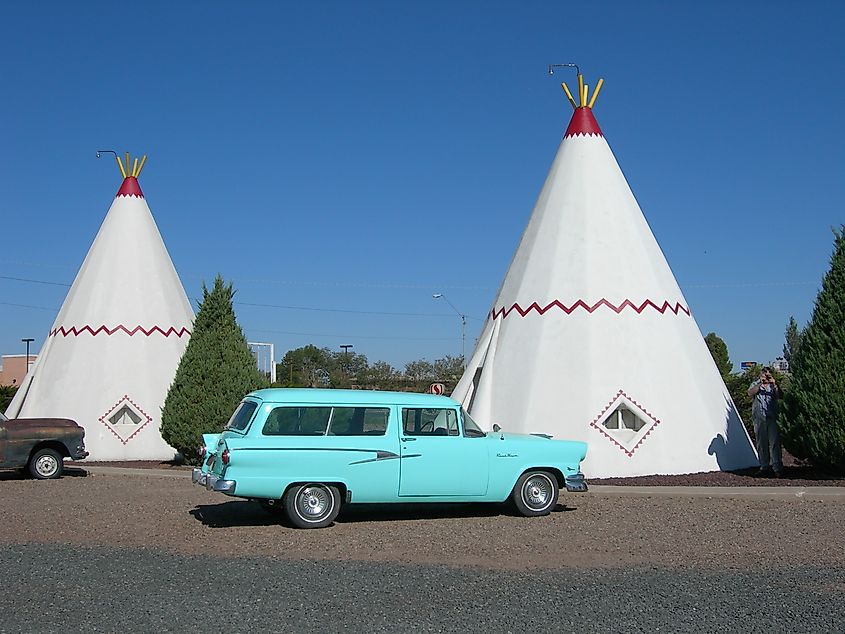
x=437, y=459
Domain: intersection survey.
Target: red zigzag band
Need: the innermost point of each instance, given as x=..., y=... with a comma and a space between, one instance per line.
x=73, y=330
x=677, y=308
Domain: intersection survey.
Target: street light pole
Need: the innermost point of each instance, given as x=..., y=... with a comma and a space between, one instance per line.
x=463, y=326
x=27, y=342
x=346, y=347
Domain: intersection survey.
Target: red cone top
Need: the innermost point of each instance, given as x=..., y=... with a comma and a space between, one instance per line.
x=130, y=187
x=583, y=122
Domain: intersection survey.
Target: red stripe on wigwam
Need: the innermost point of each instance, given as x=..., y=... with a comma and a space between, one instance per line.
x=583, y=122
x=130, y=187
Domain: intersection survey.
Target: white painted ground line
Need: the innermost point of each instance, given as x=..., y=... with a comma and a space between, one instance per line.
x=784, y=492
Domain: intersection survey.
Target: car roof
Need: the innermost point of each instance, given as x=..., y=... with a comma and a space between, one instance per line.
x=369, y=397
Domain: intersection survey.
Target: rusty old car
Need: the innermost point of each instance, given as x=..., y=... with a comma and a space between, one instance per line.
x=40, y=445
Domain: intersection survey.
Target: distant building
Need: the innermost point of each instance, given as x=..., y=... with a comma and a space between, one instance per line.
x=781, y=365
x=13, y=368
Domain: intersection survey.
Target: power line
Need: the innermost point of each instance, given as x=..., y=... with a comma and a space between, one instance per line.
x=22, y=279
x=345, y=310
x=314, y=334
x=52, y=310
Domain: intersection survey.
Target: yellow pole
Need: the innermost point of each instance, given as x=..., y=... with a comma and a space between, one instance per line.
x=120, y=165
x=568, y=94
x=596, y=93
x=127, y=162
x=584, y=96
x=135, y=167
x=141, y=166
x=581, y=89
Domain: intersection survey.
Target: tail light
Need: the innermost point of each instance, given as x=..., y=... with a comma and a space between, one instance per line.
x=225, y=456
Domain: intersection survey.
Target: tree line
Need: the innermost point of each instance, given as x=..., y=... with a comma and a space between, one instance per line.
x=310, y=366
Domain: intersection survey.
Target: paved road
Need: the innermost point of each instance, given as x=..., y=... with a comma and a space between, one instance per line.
x=50, y=588
x=117, y=553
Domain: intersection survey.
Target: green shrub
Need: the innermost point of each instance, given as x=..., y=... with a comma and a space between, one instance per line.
x=216, y=370
x=7, y=393
x=812, y=419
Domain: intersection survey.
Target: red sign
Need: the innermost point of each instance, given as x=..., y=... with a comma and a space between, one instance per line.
x=436, y=388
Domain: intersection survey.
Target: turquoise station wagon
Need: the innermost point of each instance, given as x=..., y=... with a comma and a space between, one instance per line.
x=307, y=452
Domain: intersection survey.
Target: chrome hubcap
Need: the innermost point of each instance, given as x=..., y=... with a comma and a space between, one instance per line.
x=314, y=502
x=46, y=465
x=537, y=492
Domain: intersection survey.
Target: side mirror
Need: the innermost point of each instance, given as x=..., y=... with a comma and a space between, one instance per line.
x=496, y=428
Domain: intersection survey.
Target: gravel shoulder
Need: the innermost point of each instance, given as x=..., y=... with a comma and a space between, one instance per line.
x=585, y=531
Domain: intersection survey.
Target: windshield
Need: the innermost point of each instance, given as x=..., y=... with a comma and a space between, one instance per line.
x=470, y=424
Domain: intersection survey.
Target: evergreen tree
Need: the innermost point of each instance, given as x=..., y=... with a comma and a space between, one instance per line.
x=7, y=393
x=813, y=414
x=719, y=351
x=792, y=341
x=215, y=372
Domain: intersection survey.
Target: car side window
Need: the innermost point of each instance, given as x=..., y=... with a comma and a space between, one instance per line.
x=359, y=421
x=297, y=421
x=242, y=415
x=427, y=421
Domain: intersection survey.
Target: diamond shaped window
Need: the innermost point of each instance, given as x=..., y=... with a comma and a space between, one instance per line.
x=125, y=419
x=625, y=422
x=125, y=416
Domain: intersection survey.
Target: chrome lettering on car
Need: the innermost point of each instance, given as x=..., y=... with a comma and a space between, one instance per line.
x=380, y=455
x=507, y=455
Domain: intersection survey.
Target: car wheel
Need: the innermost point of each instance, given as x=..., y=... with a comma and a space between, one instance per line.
x=535, y=493
x=312, y=505
x=46, y=464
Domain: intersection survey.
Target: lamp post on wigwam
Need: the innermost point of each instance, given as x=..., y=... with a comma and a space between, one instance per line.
x=463, y=326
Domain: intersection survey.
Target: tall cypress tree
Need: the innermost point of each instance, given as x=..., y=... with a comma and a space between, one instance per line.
x=719, y=351
x=215, y=372
x=813, y=415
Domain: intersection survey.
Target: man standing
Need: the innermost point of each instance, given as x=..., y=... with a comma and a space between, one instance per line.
x=765, y=393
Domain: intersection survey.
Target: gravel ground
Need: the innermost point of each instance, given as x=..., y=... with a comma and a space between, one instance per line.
x=133, y=553
x=586, y=530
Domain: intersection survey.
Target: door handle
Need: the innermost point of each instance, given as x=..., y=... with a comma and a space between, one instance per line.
x=407, y=439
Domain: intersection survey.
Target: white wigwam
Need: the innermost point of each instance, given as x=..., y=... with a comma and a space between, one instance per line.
x=113, y=350
x=590, y=337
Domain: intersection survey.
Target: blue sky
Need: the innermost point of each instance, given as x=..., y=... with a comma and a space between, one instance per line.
x=354, y=158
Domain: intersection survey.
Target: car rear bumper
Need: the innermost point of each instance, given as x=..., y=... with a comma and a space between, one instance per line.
x=212, y=482
x=575, y=483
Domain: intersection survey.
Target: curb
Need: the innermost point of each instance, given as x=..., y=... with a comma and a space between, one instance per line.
x=149, y=473
x=758, y=492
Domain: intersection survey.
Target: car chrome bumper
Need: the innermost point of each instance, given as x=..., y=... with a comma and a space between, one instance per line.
x=213, y=483
x=198, y=477
x=575, y=483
